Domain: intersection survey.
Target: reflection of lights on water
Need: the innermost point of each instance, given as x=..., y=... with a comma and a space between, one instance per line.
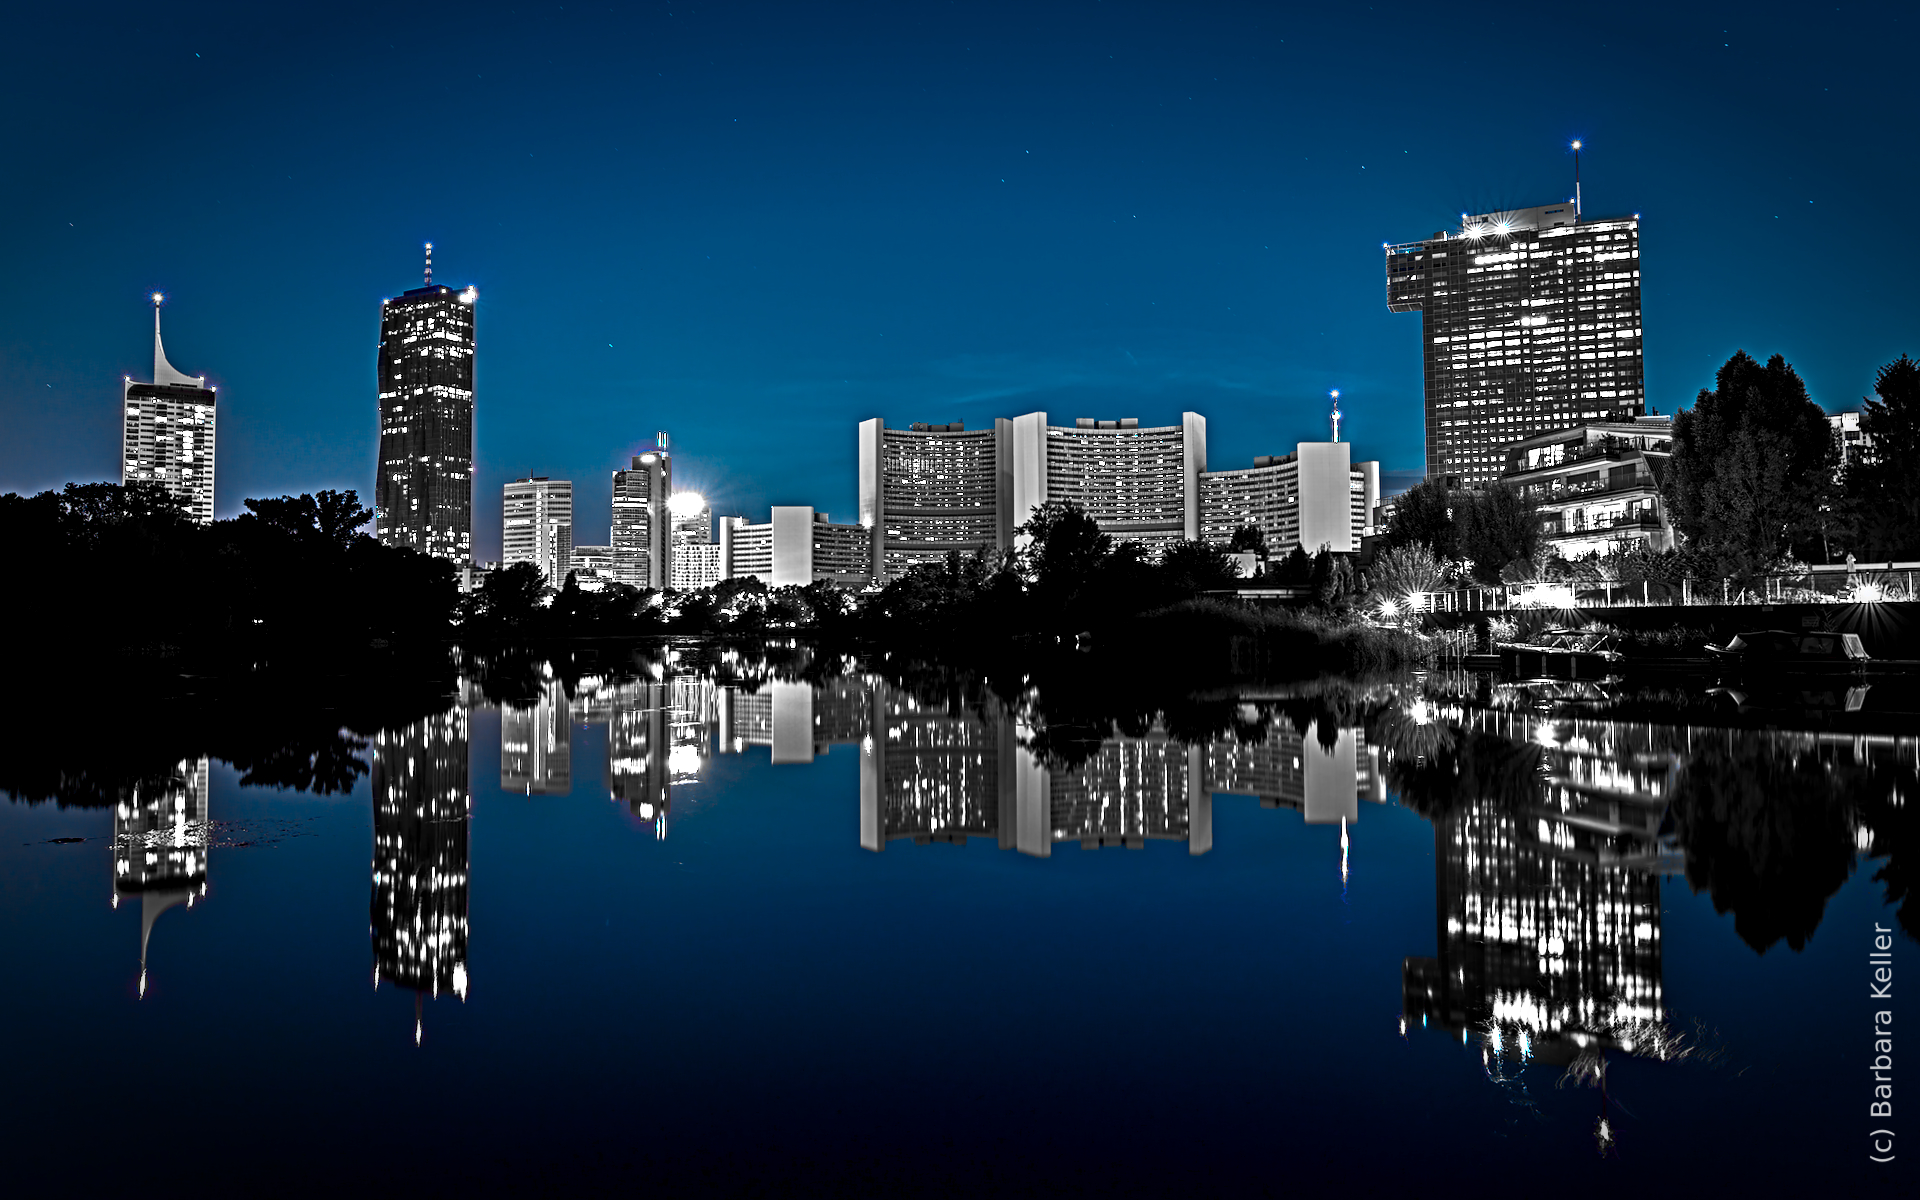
x=143, y=983
x=646, y=812
x=1403, y=1024
x=460, y=980
x=416, y=1031
x=683, y=763
x=1343, y=849
x=1421, y=712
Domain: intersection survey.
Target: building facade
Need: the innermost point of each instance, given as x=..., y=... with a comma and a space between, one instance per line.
x=1852, y=440
x=930, y=489
x=1530, y=322
x=167, y=431
x=1316, y=496
x=798, y=546
x=694, y=556
x=537, y=526
x=423, y=497
x=1140, y=485
x=1597, y=485
x=642, y=554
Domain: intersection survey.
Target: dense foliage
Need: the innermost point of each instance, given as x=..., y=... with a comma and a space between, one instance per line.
x=117, y=568
x=1752, y=474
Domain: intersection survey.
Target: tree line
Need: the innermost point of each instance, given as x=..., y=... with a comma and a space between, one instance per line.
x=124, y=569
x=1754, y=486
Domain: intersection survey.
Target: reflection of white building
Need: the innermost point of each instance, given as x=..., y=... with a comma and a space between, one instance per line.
x=536, y=743
x=160, y=846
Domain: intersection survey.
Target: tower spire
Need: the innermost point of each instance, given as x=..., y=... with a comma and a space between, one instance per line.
x=1336, y=414
x=429, y=264
x=163, y=371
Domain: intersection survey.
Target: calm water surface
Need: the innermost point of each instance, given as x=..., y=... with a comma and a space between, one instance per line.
x=711, y=922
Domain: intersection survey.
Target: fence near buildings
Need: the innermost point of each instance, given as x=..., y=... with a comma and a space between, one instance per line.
x=1838, y=583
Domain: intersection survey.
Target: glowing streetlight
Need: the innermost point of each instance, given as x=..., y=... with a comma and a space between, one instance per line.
x=686, y=504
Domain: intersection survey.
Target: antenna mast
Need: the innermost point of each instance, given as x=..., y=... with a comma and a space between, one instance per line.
x=429, y=264
x=1576, y=180
x=1336, y=414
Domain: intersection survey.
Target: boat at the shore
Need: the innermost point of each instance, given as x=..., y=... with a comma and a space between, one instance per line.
x=1785, y=649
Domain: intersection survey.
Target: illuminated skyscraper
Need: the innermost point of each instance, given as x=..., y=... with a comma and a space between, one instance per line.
x=536, y=526
x=423, y=497
x=1530, y=323
x=167, y=431
x=641, y=539
x=421, y=804
x=927, y=490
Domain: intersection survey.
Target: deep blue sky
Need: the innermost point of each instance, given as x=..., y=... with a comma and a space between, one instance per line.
x=754, y=225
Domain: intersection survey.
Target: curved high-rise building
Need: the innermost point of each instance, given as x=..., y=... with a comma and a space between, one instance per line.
x=423, y=496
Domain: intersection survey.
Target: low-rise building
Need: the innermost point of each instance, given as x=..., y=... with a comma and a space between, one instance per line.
x=1848, y=436
x=1597, y=485
x=798, y=546
x=1316, y=496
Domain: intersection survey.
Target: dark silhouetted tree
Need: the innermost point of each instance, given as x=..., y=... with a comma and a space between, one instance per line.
x=1751, y=475
x=1882, y=483
x=1423, y=515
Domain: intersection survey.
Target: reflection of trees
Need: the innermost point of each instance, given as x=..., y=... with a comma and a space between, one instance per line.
x=1771, y=823
x=1448, y=771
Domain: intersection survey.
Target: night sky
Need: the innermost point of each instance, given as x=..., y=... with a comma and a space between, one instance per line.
x=754, y=225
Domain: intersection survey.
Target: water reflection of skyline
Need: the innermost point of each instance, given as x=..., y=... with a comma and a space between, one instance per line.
x=1551, y=832
x=160, y=840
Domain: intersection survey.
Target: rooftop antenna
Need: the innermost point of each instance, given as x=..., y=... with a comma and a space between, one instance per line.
x=1576, y=180
x=660, y=439
x=1336, y=414
x=429, y=264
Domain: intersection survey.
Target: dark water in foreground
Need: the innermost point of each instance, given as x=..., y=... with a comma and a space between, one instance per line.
x=715, y=925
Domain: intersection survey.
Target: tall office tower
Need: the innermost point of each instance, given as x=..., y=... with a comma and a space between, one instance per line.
x=641, y=541
x=421, y=806
x=537, y=526
x=929, y=489
x=1530, y=323
x=1141, y=485
x=423, y=497
x=167, y=431
x=160, y=846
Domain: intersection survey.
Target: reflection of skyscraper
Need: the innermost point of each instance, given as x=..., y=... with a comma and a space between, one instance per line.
x=1548, y=918
x=536, y=743
x=421, y=804
x=160, y=846
x=657, y=739
x=167, y=431
x=1294, y=770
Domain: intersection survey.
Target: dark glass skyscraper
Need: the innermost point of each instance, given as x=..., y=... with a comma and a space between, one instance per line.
x=424, y=495
x=1530, y=323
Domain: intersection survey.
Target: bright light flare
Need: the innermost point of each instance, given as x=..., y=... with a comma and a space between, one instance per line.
x=686, y=504
x=1869, y=593
x=158, y=297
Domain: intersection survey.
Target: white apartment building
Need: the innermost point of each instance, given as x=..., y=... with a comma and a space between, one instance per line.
x=537, y=526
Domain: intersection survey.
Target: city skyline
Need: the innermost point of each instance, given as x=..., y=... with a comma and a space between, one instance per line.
x=732, y=246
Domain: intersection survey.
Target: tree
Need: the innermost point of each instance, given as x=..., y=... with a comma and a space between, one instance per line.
x=1882, y=487
x=1423, y=514
x=1400, y=571
x=1248, y=538
x=1496, y=528
x=1751, y=474
x=1189, y=567
x=1065, y=551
